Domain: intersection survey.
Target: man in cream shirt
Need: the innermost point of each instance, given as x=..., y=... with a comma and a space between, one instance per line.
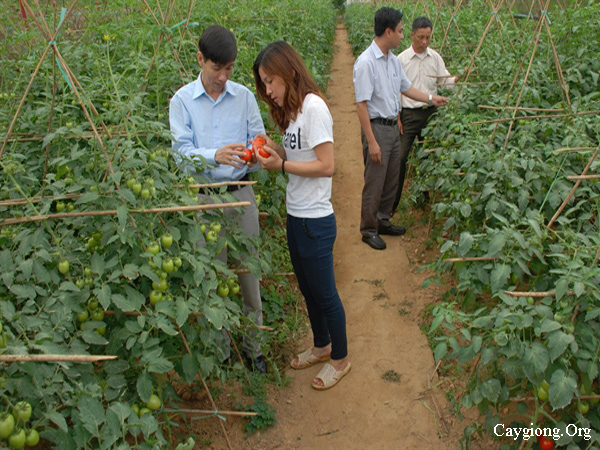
x=425, y=68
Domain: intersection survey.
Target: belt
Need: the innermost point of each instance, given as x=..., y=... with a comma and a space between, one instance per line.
x=420, y=108
x=384, y=121
x=236, y=187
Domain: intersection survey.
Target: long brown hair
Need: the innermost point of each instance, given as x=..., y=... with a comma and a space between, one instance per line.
x=281, y=60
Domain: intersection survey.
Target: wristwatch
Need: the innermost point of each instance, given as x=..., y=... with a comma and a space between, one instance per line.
x=430, y=102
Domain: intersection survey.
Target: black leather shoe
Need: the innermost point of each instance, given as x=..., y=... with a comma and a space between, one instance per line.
x=374, y=242
x=392, y=230
x=258, y=364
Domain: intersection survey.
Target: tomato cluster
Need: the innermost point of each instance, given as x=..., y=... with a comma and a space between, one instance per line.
x=168, y=265
x=13, y=427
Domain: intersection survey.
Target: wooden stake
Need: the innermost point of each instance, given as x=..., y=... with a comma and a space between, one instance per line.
x=112, y=212
x=56, y=358
x=471, y=259
x=209, y=412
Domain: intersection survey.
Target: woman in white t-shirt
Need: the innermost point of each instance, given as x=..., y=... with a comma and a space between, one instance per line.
x=299, y=109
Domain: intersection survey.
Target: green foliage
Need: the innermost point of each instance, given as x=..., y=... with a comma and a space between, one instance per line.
x=496, y=183
x=103, y=149
x=265, y=415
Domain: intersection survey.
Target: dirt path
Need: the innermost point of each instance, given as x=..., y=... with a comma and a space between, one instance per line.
x=391, y=398
x=382, y=403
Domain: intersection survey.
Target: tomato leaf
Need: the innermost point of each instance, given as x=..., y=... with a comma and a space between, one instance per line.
x=562, y=388
x=558, y=342
x=189, y=365
x=144, y=386
x=58, y=420
x=465, y=243
x=490, y=389
x=440, y=351
x=496, y=244
x=535, y=361
x=91, y=414
x=499, y=276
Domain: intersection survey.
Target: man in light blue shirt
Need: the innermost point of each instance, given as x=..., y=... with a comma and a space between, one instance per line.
x=378, y=82
x=215, y=118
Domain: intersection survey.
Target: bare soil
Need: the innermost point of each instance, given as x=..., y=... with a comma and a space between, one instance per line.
x=393, y=397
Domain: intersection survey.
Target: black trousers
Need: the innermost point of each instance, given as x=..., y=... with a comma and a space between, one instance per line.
x=413, y=122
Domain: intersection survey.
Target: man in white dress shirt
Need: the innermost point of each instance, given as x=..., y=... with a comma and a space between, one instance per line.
x=425, y=68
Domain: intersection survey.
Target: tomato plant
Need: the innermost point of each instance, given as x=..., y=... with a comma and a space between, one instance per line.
x=101, y=303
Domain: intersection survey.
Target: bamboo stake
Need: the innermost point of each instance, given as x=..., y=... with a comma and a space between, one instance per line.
x=471, y=259
x=584, y=177
x=534, y=294
x=16, y=202
x=521, y=108
x=112, y=212
x=548, y=116
x=56, y=358
x=572, y=193
x=574, y=149
x=210, y=413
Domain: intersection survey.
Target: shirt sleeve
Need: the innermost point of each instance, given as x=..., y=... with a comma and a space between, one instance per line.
x=318, y=123
x=255, y=124
x=405, y=83
x=363, y=80
x=183, y=135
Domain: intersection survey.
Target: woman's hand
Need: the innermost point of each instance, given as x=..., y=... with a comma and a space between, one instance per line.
x=273, y=162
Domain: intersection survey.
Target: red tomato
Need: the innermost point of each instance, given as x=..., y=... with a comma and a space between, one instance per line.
x=258, y=145
x=546, y=444
x=247, y=156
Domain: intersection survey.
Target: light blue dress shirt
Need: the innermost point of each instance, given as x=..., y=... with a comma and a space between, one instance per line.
x=201, y=125
x=379, y=81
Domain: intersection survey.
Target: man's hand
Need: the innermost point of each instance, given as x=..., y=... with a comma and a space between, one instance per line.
x=231, y=155
x=400, y=126
x=375, y=152
x=438, y=100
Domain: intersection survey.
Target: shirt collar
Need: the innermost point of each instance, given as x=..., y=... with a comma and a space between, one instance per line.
x=200, y=90
x=377, y=51
x=412, y=53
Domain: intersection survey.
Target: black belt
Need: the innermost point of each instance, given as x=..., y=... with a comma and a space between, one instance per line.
x=383, y=121
x=421, y=108
x=236, y=187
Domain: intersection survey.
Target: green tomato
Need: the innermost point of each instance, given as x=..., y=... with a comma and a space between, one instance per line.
x=7, y=425
x=33, y=438
x=235, y=289
x=136, y=188
x=144, y=411
x=63, y=267
x=154, y=402
x=177, y=261
x=166, y=240
x=101, y=330
x=211, y=236
x=216, y=227
x=92, y=304
x=223, y=290
x=203, y=228
x=60, y=206
x=22, y=411
x=542, y=394
x=155, y=297
x=98, y=314
x=168, y=265
x=145, y=194
x=130, y=183
x=17, y=440
x=583, y=407
x=161, y=286
x=136, y=409
x=153, y=248
x=83, y=316
x=545, y=385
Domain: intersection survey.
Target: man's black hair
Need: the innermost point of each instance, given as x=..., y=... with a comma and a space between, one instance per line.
x=421, y=22
x=218, y=44
x=386, y=18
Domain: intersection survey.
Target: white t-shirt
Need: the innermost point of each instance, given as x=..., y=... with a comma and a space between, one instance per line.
x=308, y=197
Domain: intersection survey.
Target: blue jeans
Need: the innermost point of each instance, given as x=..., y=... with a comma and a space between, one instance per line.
x=310, y=243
